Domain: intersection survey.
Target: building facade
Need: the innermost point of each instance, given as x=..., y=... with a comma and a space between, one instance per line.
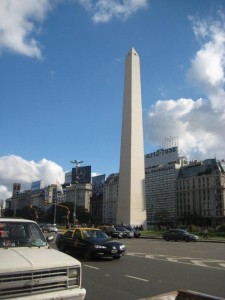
x=161, y=172
x=110, y=199
x=200, y=192
x=79, y=194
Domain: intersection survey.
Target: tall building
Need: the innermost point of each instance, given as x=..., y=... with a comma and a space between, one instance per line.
x=110, y=199
x=161, y=172
x=131, y=193
x=96, y=203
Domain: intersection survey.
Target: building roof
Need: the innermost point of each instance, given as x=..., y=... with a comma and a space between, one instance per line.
x=205, y=167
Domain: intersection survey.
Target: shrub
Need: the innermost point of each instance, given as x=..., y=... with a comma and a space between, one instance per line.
x=194, y=228
x=221, y=227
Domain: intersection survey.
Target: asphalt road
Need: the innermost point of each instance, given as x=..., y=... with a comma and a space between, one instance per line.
x=153, y=267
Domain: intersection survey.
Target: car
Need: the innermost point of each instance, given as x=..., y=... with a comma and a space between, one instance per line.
x=49, y=228
x=90, y=243
x=31, y=269
x=136, y=232
x=126, y=233
x=179, y=234
x=111, y=231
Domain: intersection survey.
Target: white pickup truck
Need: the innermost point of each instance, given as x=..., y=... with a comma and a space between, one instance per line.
x=30, y=269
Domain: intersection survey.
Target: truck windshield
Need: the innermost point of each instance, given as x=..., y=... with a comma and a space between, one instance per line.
x=20, y=234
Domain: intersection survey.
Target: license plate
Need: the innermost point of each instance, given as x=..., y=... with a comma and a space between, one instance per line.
x=114, y=251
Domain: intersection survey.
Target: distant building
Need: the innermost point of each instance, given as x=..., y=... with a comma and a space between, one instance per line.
x=96, y=203
x=161, y=172
x=200, y=192
x=110, y=199
x=80, y=193
x=68, y=177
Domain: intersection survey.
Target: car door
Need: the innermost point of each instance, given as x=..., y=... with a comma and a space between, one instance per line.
x=68, y=239
x=78, y=241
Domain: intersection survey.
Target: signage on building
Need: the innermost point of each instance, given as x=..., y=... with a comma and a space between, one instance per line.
x=161, y=156
x=81, y=175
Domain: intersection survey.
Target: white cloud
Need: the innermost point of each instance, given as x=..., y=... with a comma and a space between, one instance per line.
x=200, y=123
x=15, y=169
x=103, y=11
x=19, y=21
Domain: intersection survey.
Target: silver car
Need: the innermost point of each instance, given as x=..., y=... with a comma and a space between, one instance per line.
x=49, y=228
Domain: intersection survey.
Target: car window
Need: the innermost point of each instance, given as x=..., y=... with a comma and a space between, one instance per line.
x=20, y=234
x=77, y=234
x=69, y=233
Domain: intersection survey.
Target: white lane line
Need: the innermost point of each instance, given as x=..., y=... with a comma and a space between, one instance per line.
x=172, y=259
x=91, y=267
x=198, y=263
x=138, y=278
x=222, y=265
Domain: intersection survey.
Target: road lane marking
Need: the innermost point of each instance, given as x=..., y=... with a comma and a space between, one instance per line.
x=172, y=259
x=222, y=265
x=138, y=278
x=200, y=262
x=91, y=267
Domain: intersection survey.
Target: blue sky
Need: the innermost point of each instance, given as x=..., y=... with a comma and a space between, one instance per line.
x=61, y=82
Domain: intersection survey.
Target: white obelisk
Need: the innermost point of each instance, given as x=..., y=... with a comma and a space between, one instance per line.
x=131, y=195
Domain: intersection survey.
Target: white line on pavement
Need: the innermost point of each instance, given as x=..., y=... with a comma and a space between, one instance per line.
x=91, y=267
x=142, y=279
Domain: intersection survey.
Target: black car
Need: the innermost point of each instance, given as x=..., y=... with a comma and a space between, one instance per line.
x=126, y=233
x=179, y=234
x=90, y=242
x=136, y=232
x=111, y=231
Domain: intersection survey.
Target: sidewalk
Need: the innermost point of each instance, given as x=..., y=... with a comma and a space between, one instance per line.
x=211, y=240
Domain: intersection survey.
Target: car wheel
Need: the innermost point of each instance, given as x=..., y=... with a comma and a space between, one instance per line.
x=87, y=254
x=187, y=239
x=117, y=257
x=167, y=238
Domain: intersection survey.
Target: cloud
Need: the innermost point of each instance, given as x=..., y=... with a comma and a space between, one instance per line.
x=103, y=11
x=15, y=169
x=20, y=20
x=198, y=123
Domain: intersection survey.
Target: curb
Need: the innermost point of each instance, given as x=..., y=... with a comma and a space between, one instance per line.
x=200, y=240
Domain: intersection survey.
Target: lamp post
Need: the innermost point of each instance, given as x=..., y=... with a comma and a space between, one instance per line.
x=77, y=163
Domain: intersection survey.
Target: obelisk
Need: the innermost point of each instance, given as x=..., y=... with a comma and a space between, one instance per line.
x=131, y=194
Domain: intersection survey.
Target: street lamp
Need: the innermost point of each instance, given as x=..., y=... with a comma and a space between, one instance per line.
x=77, y=163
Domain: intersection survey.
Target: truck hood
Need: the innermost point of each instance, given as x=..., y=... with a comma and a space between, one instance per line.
x=28, y=259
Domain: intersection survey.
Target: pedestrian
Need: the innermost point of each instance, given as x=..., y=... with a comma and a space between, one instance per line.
x=205, y=233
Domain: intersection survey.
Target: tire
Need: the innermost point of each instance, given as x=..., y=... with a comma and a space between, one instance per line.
x=87, y=254
x=117, y=257
x=167, y=238
x=187, y=239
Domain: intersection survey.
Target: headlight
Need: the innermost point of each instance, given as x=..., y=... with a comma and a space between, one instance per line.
x=99, y=247
x=122, y=247
x=73, y=273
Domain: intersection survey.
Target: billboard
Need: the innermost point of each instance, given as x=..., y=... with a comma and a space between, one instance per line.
x=81, y=175
x=161, y=156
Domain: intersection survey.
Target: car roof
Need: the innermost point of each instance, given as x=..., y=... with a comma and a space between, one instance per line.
x=16, y=220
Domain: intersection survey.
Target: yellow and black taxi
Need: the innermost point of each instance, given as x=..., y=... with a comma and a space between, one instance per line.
x=90, y=243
